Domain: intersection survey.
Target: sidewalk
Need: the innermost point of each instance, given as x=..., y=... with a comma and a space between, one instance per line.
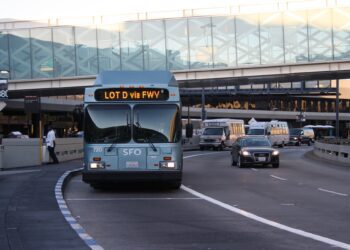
x=30, y=216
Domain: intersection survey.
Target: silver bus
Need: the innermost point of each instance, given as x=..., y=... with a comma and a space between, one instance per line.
x=132, y=129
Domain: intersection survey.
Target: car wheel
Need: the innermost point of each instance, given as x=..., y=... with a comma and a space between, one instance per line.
x=239, y=164
x=297, y=144
x=201, y=148
x=309, y=143
x=275, y=165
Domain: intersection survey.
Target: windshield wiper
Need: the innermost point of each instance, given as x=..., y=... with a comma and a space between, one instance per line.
x=147, y=138
x=109, y=149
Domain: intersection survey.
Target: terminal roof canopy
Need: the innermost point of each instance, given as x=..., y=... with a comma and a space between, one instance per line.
x=135, y=77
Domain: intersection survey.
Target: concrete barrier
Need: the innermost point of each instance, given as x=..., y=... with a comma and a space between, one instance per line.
x=340, y=153
x=20, y=153
x=191, y=143
x=66, y=149
x=29, y=152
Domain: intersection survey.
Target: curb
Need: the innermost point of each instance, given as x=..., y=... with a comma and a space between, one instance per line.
x=59, y=188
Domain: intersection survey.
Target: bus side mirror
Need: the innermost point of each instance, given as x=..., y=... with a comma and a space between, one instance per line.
x=189, y=130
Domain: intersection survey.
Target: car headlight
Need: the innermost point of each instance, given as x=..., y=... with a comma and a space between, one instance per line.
x=245, y=153
x=275, y=153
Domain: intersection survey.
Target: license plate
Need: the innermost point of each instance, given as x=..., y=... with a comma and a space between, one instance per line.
x=132, y=164
x=261, y=159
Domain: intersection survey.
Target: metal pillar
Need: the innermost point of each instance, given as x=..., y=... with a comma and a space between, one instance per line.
x=204, y=115
x=337, y=110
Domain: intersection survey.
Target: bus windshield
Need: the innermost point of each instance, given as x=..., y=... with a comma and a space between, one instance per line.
x=107, y=124
x=156, y=123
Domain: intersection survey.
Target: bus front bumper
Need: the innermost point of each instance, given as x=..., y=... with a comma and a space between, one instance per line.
x=131, y=176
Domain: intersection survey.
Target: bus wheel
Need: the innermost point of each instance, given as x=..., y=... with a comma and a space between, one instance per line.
x=96, y=185
x=175, y=185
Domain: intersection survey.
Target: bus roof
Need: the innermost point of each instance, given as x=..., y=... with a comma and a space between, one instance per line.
x=135, y=77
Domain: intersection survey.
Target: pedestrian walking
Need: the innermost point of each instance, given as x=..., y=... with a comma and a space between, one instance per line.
x=50, y=142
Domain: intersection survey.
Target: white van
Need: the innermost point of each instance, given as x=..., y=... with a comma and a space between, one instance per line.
x=220, y=133
x=276, y=131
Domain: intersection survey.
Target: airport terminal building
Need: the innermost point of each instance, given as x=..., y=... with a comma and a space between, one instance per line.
x=213, y=42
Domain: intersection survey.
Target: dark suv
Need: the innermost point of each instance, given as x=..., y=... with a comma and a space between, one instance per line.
x=298, y=136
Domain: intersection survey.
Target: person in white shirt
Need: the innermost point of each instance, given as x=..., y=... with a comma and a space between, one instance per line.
x=50, y=143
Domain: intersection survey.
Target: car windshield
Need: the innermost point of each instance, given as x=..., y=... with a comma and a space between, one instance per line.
x=213, y=131
x=294, y=131
x=256, y=131
x=255, y=142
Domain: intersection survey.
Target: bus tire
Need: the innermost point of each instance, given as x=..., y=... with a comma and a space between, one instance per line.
x=96, y=185
x=175, y=185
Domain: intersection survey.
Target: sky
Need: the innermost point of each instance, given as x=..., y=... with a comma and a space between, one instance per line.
x=43, y=9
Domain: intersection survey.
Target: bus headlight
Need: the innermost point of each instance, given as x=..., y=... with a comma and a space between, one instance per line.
x=167, y=164
x=97, y=165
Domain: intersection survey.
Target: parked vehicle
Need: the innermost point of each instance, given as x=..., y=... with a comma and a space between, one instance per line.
x=254, y=150
x=220, y=133
x=298, y=136
x=17, y=134
x=276, y=131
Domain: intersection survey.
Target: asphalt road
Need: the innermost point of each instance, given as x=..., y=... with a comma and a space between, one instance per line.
x=304, y=204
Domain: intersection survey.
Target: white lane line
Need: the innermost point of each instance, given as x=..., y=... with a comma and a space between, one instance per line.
x=316, y=237
x=254, y=169
x=332, y=192
x=130, y=199
x=190, y=156
x=268, y=222
x=279, y=178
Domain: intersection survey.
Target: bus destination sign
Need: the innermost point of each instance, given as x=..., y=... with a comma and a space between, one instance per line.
x=131, y=94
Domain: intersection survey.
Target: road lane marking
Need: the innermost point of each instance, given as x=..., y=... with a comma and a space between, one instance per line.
x=279, y=178
x=332, y=192
x=130, y=199
x=254, y=169
x=89, y=241
x=266, y=221
x=244, y=213
x=190, y=156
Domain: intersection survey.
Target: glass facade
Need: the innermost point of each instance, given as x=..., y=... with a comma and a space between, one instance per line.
x=178, y=44
x=42, y=53
x=64, y=51
x=4, y=55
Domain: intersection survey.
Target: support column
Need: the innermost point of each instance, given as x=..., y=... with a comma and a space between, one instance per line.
x=204, y=115
x=337, y=110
